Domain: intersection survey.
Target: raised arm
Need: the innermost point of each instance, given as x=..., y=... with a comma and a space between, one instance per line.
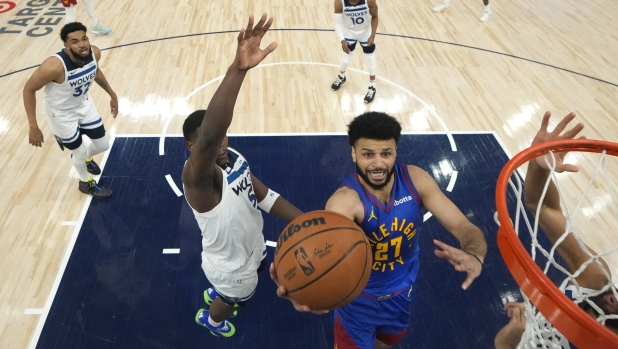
x=470, y=257
x=551, y=219
x=102, y=81
x=221, y=107
x=50, y=70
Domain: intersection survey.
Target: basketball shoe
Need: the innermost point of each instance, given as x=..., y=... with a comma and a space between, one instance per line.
x=441, y=8
x=99, y=29
x=340, y=80
x=92, y=166
x=97, y=191
x=371, y=93
x=210, y=295
x=226, y=329
x=486, y=16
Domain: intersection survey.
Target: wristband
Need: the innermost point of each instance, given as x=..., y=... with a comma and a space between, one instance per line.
x=269, y=200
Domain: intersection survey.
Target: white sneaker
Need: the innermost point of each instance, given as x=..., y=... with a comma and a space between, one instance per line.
x=486, y=16
x=441, y=8
x=99, y=29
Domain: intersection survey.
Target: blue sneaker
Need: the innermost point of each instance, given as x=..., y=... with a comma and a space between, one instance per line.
x=210, y=295
x=226, y=329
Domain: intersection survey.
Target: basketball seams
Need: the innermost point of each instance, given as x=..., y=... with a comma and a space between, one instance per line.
x=367, y=251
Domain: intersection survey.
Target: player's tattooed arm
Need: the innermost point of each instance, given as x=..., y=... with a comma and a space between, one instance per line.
x=102, y=81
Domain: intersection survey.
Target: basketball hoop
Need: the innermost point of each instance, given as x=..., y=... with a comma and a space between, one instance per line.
x=563, y=313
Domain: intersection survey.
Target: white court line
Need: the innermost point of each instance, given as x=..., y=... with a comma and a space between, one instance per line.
x=168, y=120
x=171, y=250
x=427, y=216
x=451, y=184
x=65, y=260
x=33, y=311
x=69, y=223
x=271, y=243
x=172, y=184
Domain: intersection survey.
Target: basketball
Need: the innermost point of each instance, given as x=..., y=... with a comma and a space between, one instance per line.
x=323, y=259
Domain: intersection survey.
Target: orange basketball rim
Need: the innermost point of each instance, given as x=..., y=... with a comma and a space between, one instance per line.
x=580, y=329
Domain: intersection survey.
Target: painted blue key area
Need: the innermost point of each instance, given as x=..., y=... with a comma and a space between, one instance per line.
x=120, y=291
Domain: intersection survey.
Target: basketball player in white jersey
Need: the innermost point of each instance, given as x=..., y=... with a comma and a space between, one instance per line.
x=70, y=12
x=553, y=223
x=446, y=5
x=225, y=195
x=357, y=21
x=67, y=76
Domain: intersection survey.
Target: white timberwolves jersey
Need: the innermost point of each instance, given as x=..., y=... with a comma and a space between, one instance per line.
x=73, y=92
x=356, y=17
x=233, y=229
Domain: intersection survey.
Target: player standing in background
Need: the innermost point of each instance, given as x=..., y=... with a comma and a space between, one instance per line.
x=70, y=112
x=357, y=21
x=446, y=5
x=70, y=12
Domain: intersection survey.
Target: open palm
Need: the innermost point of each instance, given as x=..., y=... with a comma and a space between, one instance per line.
x=249, y=54
x=545, y=136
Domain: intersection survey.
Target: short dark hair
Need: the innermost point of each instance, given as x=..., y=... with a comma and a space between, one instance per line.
x=192, y=123
x=374, y=125
x=70, y=28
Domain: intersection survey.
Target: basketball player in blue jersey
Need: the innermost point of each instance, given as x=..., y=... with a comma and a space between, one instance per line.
x=224, y=195
x=386, y=199
x=357, y=21
x=67, y=76
x=553, y=223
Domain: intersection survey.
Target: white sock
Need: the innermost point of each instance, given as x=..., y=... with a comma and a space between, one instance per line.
x=212, y=323
x=487, y=9
x=372, y=83
x=342, y=74
x=90, y=10
x=447, y=3
x=69, y=14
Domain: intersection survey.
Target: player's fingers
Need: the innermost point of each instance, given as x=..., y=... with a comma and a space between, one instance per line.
x=241, y=35
x=545, y=122
x=468, y=281
x=267, y=26
x=273, y=273
x=567, y=168
x=282, y=292
x=249, y=28
x=257, y=31
x=564, y=123
x=574, y=131
x=270, y=48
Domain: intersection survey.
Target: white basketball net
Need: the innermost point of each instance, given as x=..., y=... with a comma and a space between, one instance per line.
x=539, y=332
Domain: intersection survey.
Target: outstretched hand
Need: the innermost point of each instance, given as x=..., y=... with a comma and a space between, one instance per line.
x=282, y=292
x=545, y=136
x=461, y=260
x=248, y=53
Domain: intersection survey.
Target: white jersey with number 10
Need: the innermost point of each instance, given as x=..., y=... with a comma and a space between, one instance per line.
x=356, y=17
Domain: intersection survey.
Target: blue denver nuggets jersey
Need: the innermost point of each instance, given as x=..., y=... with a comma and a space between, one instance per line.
x=392, y=231
x=356, y=17
x=73, y=92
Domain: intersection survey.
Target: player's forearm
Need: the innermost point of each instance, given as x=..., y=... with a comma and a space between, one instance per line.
x=220, y=110
x=102, y=81
x=374, y=25
x=338, y=18
x=30, y=105
x=285, y=210
x=472, y=241
x=536, y=177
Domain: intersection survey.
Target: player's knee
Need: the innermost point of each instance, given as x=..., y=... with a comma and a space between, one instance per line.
x=369, y=49
x=102, y=144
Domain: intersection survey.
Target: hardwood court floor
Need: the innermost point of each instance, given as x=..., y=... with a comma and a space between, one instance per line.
x=436, y=72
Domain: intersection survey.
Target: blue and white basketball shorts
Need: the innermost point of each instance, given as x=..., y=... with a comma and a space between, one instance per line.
x=387, y=318
x=68, y=125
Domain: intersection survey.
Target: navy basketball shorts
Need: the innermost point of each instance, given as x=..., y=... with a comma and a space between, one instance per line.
x=387, y=318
